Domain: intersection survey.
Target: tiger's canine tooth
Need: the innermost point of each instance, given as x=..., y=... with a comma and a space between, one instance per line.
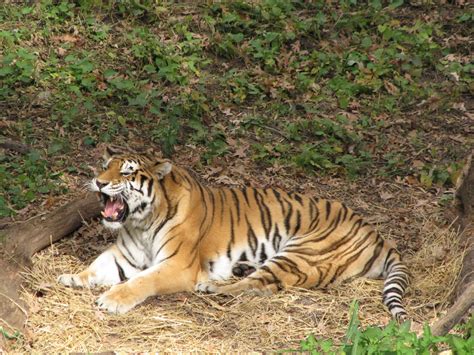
x=103, y=214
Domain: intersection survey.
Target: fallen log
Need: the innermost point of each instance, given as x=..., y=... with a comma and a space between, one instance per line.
x=22, y=240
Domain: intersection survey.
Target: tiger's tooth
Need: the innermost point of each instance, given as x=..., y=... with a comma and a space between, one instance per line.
x=103, y=214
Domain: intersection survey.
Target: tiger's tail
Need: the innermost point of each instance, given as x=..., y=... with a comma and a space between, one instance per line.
x=396, y=277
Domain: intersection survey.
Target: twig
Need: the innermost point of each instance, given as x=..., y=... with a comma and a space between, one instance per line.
x=15, y=146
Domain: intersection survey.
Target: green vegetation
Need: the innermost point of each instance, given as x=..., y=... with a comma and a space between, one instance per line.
x=346, y=88
x=393, y=339
x=15, y=336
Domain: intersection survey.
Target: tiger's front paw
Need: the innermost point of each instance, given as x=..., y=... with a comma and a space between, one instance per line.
x=207, y=287
x=74, y=280
x=119, y=299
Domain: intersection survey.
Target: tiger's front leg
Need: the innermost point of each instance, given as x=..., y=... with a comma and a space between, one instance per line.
x=160, y=279
x=110, y=268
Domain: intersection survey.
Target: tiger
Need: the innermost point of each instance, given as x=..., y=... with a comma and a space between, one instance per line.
x=176, y=234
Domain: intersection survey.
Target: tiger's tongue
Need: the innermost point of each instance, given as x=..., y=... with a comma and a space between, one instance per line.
x=112, y=208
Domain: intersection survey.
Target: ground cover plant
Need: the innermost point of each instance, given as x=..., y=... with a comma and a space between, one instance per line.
x=393, y=339
x=369, y=103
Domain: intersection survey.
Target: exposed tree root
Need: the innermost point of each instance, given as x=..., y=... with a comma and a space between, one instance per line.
x=464, y=214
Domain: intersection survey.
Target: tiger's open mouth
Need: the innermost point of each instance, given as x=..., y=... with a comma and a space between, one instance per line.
x=115, y=208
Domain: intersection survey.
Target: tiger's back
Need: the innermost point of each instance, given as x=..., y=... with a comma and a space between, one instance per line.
x=176, y=234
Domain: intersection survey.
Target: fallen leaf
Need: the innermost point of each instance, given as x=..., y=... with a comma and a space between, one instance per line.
x=459, y=106
x=385, y=195
x=411, y=180
x=241, y=151
x=60, y=51
x=454, y=76
x=102, y=86
x=67, y=38
x=418, y=164
x=391, y=88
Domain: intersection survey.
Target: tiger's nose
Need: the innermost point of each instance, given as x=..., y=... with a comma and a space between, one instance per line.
x=100, y=185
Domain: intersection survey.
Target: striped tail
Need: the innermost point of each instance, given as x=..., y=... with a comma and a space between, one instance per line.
x=396, y=281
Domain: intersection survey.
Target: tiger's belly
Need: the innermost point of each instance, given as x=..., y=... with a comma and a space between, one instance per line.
x=220, y=267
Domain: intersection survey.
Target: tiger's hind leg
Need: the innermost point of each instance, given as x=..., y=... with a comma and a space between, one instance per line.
x=275, y=274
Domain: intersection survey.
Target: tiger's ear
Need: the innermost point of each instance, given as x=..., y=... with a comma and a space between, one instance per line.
x=162, y=168
x=111, y=151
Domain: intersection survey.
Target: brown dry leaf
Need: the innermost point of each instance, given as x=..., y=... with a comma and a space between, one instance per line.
x=69, y=38
x=61, y=52
x=231, y=142
x=411, y=180
x=418, y=164
x=241, y=151
x=385, y=195
x=226, y=180
x=391, y=88
x=212, y=171
x=459, y=106
x=102, y=86
x=66, y=38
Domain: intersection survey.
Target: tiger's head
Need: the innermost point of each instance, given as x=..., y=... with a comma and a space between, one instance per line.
x=127, y=186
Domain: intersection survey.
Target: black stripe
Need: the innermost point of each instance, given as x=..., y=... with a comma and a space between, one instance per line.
x=328, y=209
x=276, y=239
x=121, y=274
x=150, y=187
x=394, y=290
x=130, y=236
x=252, y=239
x=298, y=222
x=142, y=181
x=352, y=232
x=279, y=199
x=278, y=264
x=243, y=257
x=237, y=203
x=130, y=256
x=244, y=192
x=213, y=202
x=298, y=199
x=163, y=245
x=376, y=254
x=288, y=217
x=275, y=280
x=264, y=213
x=232, y=236
x=223, y=198
x=263, y=255
x=345, y=210
x=171, y=255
